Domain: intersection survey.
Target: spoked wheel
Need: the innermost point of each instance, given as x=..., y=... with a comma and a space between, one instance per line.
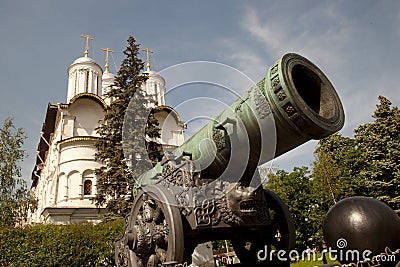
x=280, y=236
x=153, y=234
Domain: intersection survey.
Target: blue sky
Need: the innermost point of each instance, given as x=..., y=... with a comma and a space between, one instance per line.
x=355, y=43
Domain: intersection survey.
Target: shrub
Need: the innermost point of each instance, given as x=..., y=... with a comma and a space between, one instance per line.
x=60, y=245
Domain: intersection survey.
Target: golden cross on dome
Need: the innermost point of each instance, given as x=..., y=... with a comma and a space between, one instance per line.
x=87, y=37
x=107, y=50
x=148, y=51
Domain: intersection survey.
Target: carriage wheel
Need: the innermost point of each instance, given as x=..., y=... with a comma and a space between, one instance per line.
x=153, y=234
x=280, y=236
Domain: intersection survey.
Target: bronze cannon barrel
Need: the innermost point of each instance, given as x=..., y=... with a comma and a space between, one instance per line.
x=294, y=103
x=209, y=187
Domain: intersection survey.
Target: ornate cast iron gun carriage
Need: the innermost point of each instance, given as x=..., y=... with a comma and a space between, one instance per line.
x=209, y=188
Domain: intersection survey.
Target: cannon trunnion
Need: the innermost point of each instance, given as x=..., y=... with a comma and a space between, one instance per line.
x=209, y=188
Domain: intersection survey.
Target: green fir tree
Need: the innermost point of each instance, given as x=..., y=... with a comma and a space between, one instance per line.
x=123, y=145
x=379, y=160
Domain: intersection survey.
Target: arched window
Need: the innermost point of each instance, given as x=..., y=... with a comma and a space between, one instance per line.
x=87, y=187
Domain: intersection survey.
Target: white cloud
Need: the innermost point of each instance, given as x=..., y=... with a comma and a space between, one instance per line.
x=301, y=34
x=246, y=60
x=270, y=36
x=263, y=31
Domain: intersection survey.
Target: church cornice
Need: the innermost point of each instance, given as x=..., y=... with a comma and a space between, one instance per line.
x=78, y=138
x=89, y=95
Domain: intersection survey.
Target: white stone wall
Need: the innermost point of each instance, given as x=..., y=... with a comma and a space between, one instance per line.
x=69, y=161
x=45, y=190
x=84, y=114
x=171, y=129
x=77, y=164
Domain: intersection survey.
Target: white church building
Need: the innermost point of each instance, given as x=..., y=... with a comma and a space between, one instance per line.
x=63, y=179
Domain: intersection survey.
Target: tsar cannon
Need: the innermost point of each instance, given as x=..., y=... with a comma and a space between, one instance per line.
x=209, y=188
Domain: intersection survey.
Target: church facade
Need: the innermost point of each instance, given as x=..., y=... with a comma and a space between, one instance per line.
x=63, y=179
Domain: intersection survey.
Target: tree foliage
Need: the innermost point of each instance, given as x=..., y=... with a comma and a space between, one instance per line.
x=115, y=181
x=295, y=189
x=366, y=164
x=378, y=143
x=335, y=170
x=15, y=198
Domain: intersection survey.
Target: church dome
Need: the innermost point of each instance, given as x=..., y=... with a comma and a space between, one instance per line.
x=84, y=76
x=84, y=60
x=107, y=81
x=151, y=72
x=155, y=86
x=154, y=76
x=108, y=76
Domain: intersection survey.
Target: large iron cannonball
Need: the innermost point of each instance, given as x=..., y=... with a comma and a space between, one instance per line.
x=361, y=223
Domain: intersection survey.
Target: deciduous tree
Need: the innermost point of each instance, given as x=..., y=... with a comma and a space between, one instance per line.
x=15, y=198
x=335, y=170
x=295, y=190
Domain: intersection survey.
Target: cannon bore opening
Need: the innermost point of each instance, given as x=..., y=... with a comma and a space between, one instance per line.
x=314, y=91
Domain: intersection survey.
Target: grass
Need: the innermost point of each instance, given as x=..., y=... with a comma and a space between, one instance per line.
x=309, y=263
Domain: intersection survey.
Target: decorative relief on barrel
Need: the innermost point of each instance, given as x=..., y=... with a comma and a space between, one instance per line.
x=219, y=138
x=280, y=94
x=275, y=82
x=179, y=171
x=182, y=198
x=206, y=214
x=274, y=69
x=221, y=131
x=289, y=109
x=261, y=85
x=242, y=101
x=262, y=106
